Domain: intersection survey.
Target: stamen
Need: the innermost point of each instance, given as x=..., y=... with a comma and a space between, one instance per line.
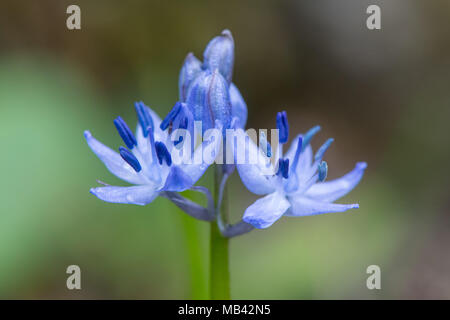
x=282, y=126
x=322, y=149
x=125, y=132
x=162, y=153
x=145, y=119
x=283, y=168
x=323, y=171
x=297, y=153
x=264, y=144
x=130, y=159
x=309, y=135
x=172, y=114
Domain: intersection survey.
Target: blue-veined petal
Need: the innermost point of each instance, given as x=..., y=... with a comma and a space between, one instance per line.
x=140, y=195
x=238, y=106
x=219, y=54
x=265, y=211
x=302, y=206
x=209, y=99
x=113, y=161
x=332, y=190
x=189, y=71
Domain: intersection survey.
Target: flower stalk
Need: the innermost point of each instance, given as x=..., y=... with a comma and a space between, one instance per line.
x=219, y=256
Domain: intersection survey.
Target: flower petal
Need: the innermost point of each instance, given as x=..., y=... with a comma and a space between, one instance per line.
x=177, y=180
x=302, y=206
x=190, y=69
x=238, y=106
x=113, y=161
x=332, y=190
x=265, y=211
x=203, y=157
x=258, y=176
x=208, y=98
x=219, y=54
x=140, y=195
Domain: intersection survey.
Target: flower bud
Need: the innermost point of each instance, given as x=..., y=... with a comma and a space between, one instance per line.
x=189, y=71
x=209, y=100
x=219, y=54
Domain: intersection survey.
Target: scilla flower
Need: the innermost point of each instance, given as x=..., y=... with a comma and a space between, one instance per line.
x=147, y=161
x=207, y=88
x=297, y=188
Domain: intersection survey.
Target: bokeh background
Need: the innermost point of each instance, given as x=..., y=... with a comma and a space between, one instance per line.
x=383, y=95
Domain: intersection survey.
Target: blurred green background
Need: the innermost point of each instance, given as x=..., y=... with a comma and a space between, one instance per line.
x=383, y=95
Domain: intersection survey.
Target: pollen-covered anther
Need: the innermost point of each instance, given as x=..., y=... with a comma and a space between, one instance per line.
x=125, y=132
x=130, y=159
x=162, y=153
x=282, y=126
x=323, y=171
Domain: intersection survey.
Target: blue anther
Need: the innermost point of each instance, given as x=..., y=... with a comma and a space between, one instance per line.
x=130, y=159
x=283, y=168
x=171, y=116
x=125, y=132
x=162, y=153
x=145, y=119
x=323, y=171
x=282, y=126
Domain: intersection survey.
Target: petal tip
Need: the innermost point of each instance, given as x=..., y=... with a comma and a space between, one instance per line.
x=361, y=165
x=87, y=134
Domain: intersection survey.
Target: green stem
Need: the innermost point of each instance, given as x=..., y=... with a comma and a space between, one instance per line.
x=219, y=264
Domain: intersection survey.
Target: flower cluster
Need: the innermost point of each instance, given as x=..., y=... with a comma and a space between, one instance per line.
x=293, y=183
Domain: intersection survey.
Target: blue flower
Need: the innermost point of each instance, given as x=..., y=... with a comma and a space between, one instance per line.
x=207, y=88
x=147, y=161
x=297, y=188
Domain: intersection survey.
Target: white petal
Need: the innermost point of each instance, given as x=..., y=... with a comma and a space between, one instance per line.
x=256, y=173
x=265, y=211
x=332, y=190
x=302, y=206
x=113, y=161
x=140, y=195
